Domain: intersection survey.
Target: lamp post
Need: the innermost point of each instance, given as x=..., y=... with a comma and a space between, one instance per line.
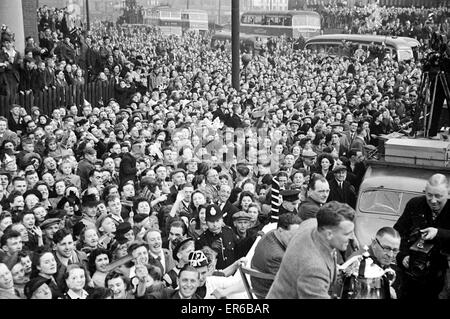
x=219, y=12
x=87, y=16
x=235, y=44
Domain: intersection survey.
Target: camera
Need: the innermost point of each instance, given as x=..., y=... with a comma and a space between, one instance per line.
x=419, y=257
x=438, y=59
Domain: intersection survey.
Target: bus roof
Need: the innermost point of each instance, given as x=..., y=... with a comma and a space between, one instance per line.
x=368, y=38
x=287, y=12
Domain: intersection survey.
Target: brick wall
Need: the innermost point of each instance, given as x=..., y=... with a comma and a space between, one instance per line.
x=29, y=8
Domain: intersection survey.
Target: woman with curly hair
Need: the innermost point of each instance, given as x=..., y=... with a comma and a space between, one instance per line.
x=98, y=262
x=325, y=163
x=43, y=120
x=245, y=199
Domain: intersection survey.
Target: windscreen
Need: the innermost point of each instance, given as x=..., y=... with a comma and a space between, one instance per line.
x=404, y=55
x=384, y=201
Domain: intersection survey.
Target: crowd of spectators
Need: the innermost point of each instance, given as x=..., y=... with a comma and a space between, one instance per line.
x=413, y=22
x=178, y=160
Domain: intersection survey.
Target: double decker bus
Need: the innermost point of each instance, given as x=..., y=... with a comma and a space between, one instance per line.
x=291, y=24
x=194, y=20
x=168, y=20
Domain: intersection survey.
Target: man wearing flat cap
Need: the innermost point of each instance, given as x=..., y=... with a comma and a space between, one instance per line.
x=219, y=237
x=294, y=125
x=241, y=223
x=49, y=227
x=86, y=165
x=307, y=161
x=247, y=234
x=341, y=190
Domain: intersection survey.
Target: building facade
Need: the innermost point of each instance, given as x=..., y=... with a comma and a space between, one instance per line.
x=20, y=17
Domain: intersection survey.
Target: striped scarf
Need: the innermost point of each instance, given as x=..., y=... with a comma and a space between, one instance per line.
x=276, y=197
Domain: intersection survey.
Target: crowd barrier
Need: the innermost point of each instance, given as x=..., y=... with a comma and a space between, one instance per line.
x=47, y=100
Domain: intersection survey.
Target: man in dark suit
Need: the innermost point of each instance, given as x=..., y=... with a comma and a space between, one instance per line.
x=308, y=159
x=222, y=111
x=294, y=125
x=351, y=133
x=355, y=168
x=49, y=73
x=159, y=256
x=341, y=190
x=178, y=177
x=128, y=169
x=344, y=142
x=428, y=216
x=317, y=195
x=227, y=208
x=359, y=142
x=288, y=167
x=86, y=165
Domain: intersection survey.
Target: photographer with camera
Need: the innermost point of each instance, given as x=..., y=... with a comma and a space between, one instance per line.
x=424, y=228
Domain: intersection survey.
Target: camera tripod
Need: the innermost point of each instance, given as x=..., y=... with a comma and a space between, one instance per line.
x=430, y=97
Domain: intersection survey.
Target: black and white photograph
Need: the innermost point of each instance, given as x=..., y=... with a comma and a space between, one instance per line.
x=251, y=151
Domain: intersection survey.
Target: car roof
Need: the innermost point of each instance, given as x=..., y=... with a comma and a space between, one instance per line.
x=411, y=41
x=409, y=184
x=389, y=40
x=395, y=177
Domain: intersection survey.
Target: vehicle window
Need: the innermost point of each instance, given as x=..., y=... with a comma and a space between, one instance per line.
x=404, y=55
x=288, y=21
x=246, y=19
x=389, y=202
x=258, y=19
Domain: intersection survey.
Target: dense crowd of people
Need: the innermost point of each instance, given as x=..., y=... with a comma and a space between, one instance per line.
x=413, y=22
x=179, y=174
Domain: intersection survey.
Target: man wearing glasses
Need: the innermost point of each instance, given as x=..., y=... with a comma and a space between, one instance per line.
x=383, y=250
x=385, y=247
